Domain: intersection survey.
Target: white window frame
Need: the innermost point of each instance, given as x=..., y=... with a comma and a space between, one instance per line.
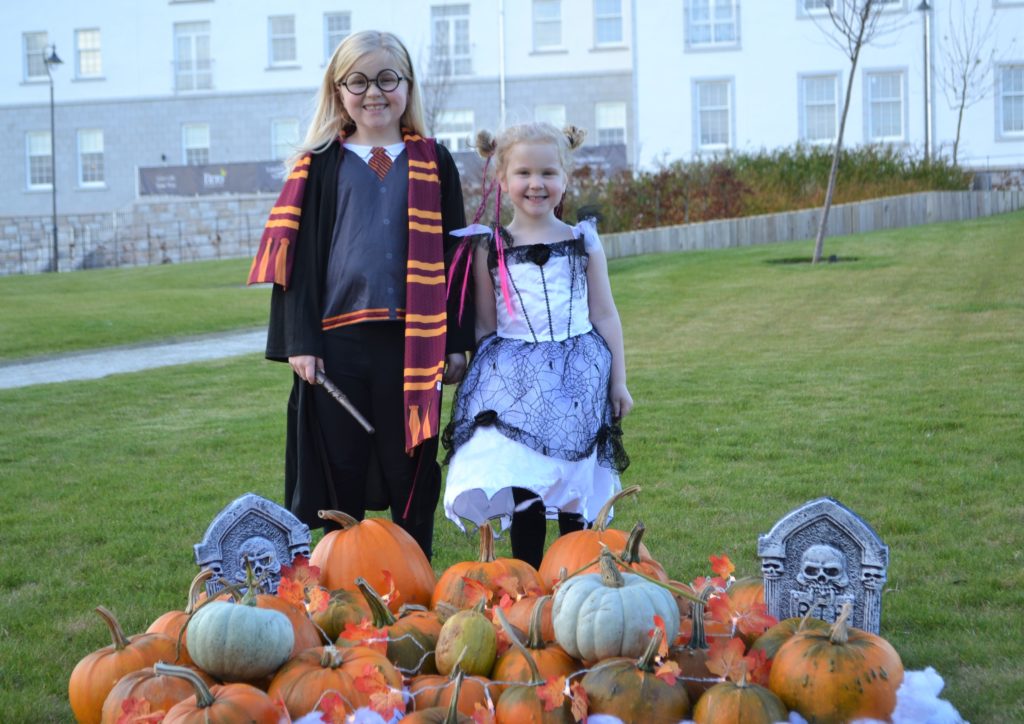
x=605, y=16
x=714, y=25
x=83, y=55
x=192, y=71
x=871, y=135
x=333, y=37
x=610, y=117
x=28, y=39
x=278, y=36
x=805, y=106
x=552, y=24
x=42, y=143
x=728, y=108
x=284, y=137
x=454, y=129
x=451, y=47
x=86, y=143
x=1001, y=132
x=190, y=132
x=553, y=113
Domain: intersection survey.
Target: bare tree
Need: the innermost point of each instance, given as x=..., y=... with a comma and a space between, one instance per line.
x=855, y=23
x=436, y=85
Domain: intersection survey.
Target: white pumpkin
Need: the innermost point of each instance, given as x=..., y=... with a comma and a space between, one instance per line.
x=600, y=615
x=239, y=642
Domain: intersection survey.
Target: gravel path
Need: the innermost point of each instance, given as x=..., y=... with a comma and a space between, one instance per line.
x=116, y=360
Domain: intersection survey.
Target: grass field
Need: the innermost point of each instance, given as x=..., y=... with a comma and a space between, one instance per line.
x=892, y=383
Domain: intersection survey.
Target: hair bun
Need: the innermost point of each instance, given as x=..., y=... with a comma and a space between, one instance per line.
x=574, y=135
x=486, y=144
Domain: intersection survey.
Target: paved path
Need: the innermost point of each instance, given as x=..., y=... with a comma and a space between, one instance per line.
x=115, y=360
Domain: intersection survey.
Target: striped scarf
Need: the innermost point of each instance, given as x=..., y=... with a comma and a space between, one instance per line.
x=425, y=299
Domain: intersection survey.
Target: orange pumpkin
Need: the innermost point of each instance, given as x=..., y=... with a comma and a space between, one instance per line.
x=442, y=714
x=160, y=690
x=412, y=637
x=489, y=571
x=173, y=623
x=369, y=548
x=306, y=633
x=304, y=679
x=520, y=613
x=521, y=702
x=772, y=639
x=95, y=675
x=433, y=691
x=225, y=704
x=536, y=660
x=729, y=702
x=839, y=675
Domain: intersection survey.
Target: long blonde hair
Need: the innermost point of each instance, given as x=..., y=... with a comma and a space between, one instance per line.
x=330, y=118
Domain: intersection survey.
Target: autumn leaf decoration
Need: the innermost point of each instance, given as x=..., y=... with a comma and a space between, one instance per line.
x=552, y=693
x=750, y=619
x=383, y=699
x=364, y=634
x=300, y=586
x=580, y=702
x=139, y=711
x=726, y=659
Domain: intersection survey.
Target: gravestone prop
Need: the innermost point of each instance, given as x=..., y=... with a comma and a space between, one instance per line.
x=820, y=556
x=254, y=528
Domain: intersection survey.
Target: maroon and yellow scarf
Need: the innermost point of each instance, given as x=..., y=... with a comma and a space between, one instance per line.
x=425, y=299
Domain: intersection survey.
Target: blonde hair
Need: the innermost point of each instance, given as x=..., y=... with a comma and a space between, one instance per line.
x=566, y=141
x=330, y=117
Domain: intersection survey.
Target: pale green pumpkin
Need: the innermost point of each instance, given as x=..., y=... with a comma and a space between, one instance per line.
x=467, y=639
x=600, y=615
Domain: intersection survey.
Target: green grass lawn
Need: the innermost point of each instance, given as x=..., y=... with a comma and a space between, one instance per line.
x=892, y=383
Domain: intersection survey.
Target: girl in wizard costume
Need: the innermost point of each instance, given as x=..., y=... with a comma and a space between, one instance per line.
x=534, y=430
x=356, y=249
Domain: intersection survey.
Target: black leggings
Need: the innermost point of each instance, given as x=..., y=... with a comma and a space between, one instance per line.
x=530, y=527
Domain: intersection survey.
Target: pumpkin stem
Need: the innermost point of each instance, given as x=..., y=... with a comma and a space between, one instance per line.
x=116, y=632
x=606, y=510
x=610, y=575
x=204, y=698
x=452, y=717
x=486, y=543
x=631, y=553
x=382, y=616
x=646, y=660
x=683, y=593
x=252, y=586
x=535, y=637
x=698, y=637
x=535, y=677
x=195, y=588
x=345, y=520
x=331, y=658
x=840, y=633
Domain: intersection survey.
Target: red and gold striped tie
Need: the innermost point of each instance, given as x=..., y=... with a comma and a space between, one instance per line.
x=380, y=161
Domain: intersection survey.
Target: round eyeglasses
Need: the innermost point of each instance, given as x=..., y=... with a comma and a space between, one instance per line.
x=357, y=83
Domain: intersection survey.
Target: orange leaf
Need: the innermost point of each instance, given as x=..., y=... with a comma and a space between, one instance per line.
x=716, y=583
x=387, y=703
x=758, y=667
x=580, y=702
x=754, y=619
x=301, y=572
x=659, y=622
x=506, y=602
x=371, y=680
x=475, y=591
x=508, y=585
x=552, y=693
x=721, y=565
x=139, y=711
x=292, y=592
x=364, y=634
x=725, y=657
x=319, y=597
x=668, y=672
x=389, y=581
x=482, y=714
x=334, y=708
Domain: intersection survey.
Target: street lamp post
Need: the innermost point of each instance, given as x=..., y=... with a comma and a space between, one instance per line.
x=925, y=9
x=49, y=61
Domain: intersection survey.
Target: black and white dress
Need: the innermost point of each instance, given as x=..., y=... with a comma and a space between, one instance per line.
x=533, y=410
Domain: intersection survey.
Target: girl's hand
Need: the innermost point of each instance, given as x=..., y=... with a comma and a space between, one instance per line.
x=305, y=366
x=622, y=401
x=454, y=368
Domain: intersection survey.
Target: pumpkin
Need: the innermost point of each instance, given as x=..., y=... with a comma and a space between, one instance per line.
x=730, y=702
x=692, y=657
x=772, y=639
x=227, y=704
x=372, y=548
x=837, y=675
x=576, y=550
x=468, y=638
x=304, y=679
x=495, y=574
x=520, y=702
x=173, y=623
x=160, y=690
x=431, y=691
x=343, y=607
x=443, y=714
x=520, y=613
x=240, y=641
x=412, y=637
x=534, y=660
x=597, y=616
x=96, y=674
x=629, y=689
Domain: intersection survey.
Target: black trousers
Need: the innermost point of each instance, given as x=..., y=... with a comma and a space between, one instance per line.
x=373, y=472
x=529, y=527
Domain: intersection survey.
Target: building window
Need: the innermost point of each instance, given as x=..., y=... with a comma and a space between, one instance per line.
x=712, y=23
x=35, y=54
x=553, y=114
x=455, y=130
x=607, y=22
x=713, y=114
x=281, y=29
x=90, y=158
x=1011, y=100
x=547, y=24
x=337, y=27
x=818, y=96
x=807, y=8
x=40, y=159
x=610, y=122
x=195, y=139
x=88, y=62
x=193, y=67
x=284, y=137
x=449, y=41
x=885, y=106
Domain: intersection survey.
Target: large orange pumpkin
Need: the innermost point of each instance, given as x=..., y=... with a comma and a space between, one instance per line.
x=95, y=675
x=838, y=675
x=160, y=690
x=489, y=571
x=226, y=704
x=369, y=548
x=304, y=679
x=173, y=623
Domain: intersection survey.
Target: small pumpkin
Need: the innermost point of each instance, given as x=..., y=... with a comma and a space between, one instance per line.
x=412, y=637
x=227, y=704
x=730, y=702
x=96, y=674
x=467, y=638
x=838, y=675
x=160, y=690
x=173, y=623
x=520, y=702
x=430, y=691
x=597, y=616
x=344, y=607
x=535, y=659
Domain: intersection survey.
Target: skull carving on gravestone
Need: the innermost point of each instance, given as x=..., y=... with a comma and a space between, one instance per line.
x=823, y=571
x=261, y=555
x=773, y=567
